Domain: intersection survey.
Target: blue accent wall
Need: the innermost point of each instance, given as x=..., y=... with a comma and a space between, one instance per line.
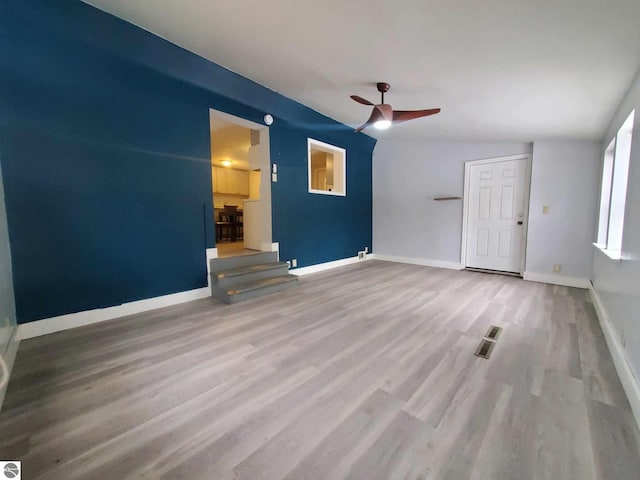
x=315, y=228
x=104, y=144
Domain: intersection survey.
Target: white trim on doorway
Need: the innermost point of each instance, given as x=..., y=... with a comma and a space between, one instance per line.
x=257, y=214
x=465, y=202
x=227, y=117
x=210, y=254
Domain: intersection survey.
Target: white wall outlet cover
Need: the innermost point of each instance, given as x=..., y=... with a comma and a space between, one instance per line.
x=294, y=262
x=557, y=268
x=545, y=209
x=274, y=177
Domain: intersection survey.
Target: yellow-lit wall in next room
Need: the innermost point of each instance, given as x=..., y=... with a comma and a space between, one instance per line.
x=222, y=199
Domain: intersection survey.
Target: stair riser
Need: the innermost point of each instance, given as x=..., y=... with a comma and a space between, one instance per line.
x=226, y=282
x=222, y=264
x=255, y=293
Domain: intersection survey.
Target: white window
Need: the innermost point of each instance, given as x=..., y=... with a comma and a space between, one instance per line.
x=613, y=195
x=605, y=194
x=327, y=168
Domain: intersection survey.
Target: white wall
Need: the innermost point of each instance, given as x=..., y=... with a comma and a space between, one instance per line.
x=617, y=284
x=257, y=213
x=222, y=199
x=565, y=178
x=7, y=302
x=407, y=222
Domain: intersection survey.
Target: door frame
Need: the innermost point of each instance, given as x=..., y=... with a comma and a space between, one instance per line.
x=267, y=246
x=526, y=194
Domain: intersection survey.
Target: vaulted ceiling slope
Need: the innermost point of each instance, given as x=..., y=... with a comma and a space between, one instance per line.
x=516, y=70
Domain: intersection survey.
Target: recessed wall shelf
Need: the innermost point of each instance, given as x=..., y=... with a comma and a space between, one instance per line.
x=438, y=199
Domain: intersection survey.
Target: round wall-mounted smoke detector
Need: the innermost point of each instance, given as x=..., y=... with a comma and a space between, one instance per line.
x=268, y=119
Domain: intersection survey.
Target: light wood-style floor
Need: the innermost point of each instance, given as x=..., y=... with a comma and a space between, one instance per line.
x=233, y=249
x=364, y=372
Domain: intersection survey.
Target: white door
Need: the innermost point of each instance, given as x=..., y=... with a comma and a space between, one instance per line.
x=496, y=215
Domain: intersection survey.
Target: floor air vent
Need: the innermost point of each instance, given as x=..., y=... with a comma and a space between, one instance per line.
x=485, y=348
x=493, y=333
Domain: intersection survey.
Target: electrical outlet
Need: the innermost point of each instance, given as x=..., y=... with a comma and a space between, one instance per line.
x=288, y=264
x=274, y=177
x=361, y=255
x=294, y=262
x=545, y=209
x=557, y=268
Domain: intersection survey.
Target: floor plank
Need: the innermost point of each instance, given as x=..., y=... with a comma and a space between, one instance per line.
x=362, y=372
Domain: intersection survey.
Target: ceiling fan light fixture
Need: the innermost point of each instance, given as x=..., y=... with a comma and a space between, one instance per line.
x=383, y=114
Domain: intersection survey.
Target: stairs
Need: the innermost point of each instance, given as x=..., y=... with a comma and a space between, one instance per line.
x=248, y=276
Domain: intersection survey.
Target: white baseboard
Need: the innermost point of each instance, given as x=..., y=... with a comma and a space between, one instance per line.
x=87, y=317
x=625, y=371
x=320, y=267
x=80, y=319
x=557, y=280
x=9, y=359
x=426, y=262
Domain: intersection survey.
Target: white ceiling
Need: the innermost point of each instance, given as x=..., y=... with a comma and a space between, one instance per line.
x=514, y=70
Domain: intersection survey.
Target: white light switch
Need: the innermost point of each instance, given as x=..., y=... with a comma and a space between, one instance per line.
x=545, y=209
x=274, y=177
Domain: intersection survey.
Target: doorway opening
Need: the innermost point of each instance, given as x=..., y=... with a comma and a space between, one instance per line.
x=241, y=190
x=495, y=213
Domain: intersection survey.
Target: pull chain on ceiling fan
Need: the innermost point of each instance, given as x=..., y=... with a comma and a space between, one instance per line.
x=383, y=115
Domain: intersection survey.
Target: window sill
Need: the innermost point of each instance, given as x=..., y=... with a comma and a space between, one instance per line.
x=328, y=192
x=613, y=255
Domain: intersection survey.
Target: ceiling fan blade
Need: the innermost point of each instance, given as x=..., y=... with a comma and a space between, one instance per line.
x=404, y=115
x=361, y=100
x=363, y=126
x=386, y=111
x=373, y=118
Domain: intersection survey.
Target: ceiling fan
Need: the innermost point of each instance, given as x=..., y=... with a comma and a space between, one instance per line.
x=383, y=115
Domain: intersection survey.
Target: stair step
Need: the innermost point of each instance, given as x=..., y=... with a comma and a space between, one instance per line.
x=255, y=288
x=229, y=263
x=247, y=273
x=250, y=268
